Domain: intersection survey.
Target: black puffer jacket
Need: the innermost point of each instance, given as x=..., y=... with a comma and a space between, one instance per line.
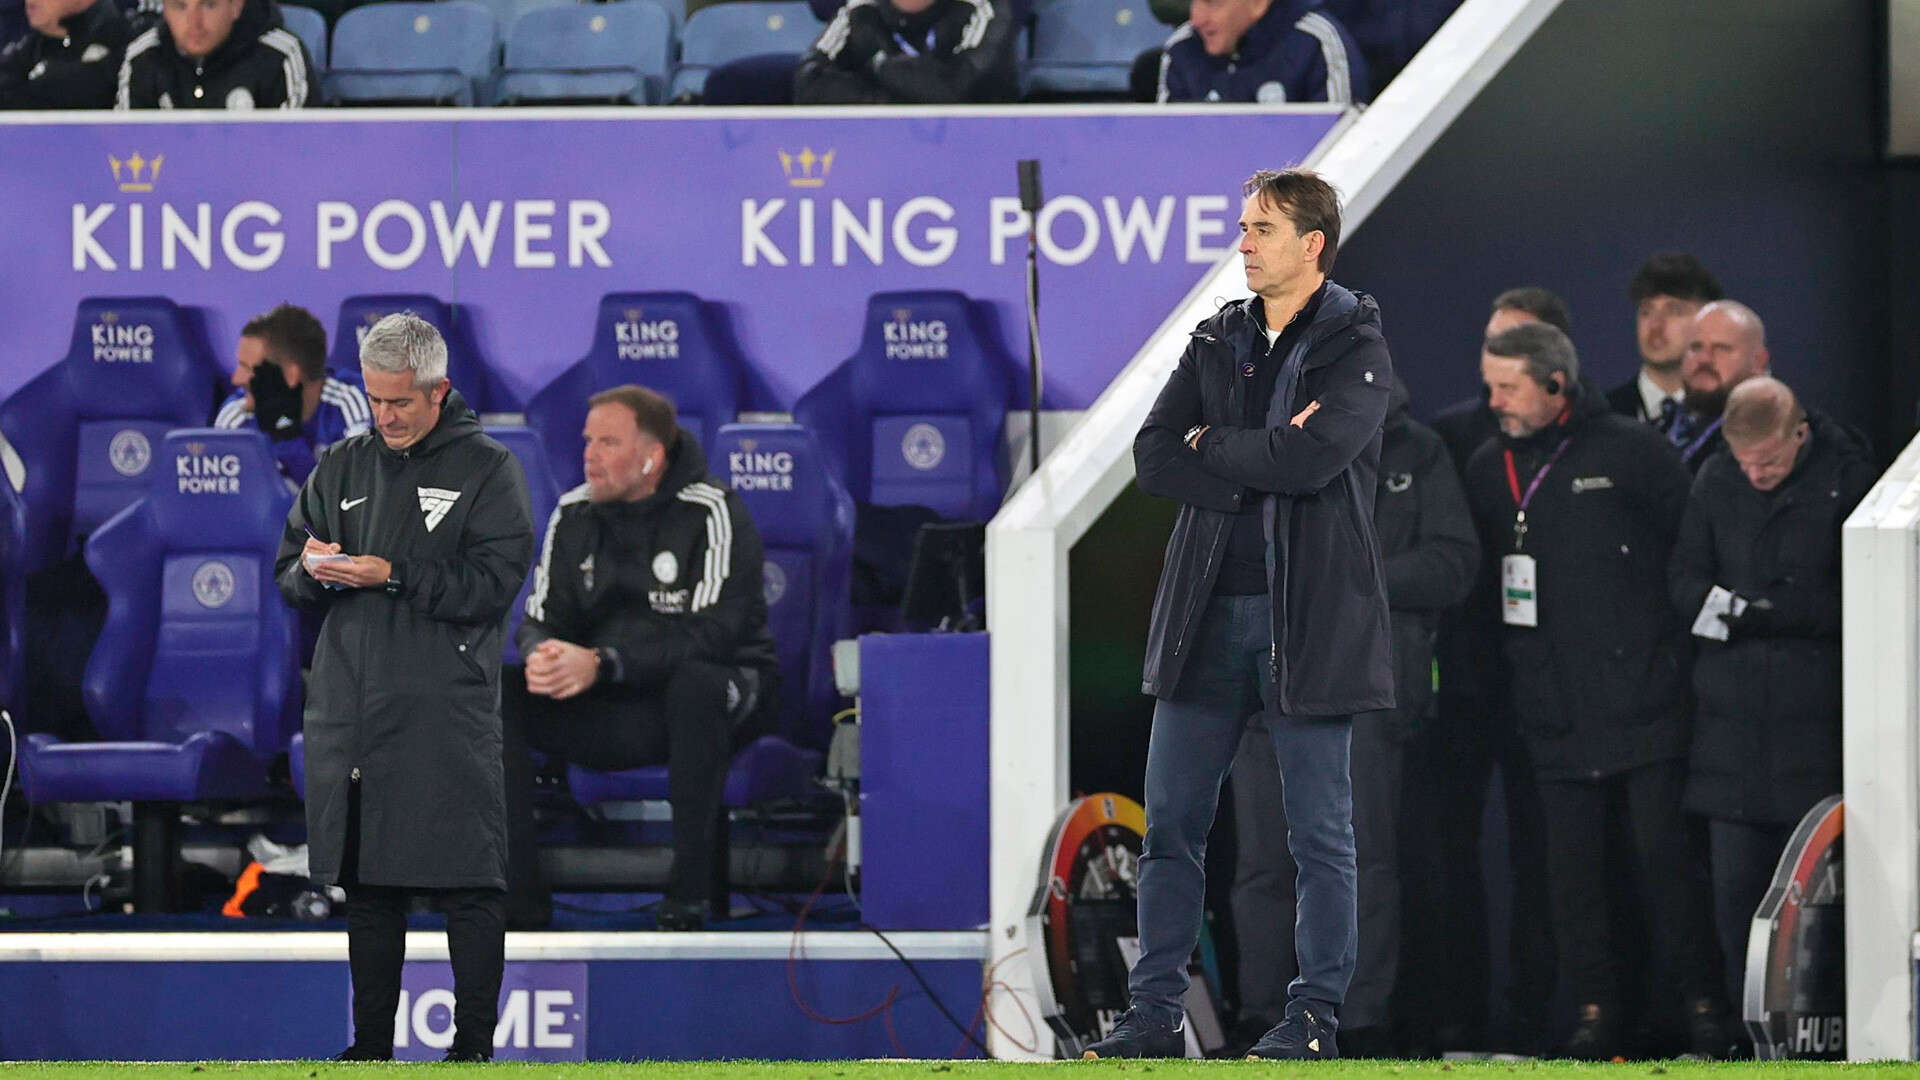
x=674, y=577
x=1599, y=686
x=404, y=694
x=261, y=65
x=872, y=53
x=1426, y=534
x=1332, y=639
x=1766, y=741
x=76, y=71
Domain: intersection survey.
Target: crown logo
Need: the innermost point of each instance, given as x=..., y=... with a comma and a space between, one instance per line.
x=109, y=316
x=632, y=314
x=136, y=173
x=196, y=448
x=901, y=314
x=749, y=445
x=804, y=175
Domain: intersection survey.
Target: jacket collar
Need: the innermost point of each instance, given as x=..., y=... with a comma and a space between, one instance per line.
x=456, y=422
x=1239, y=323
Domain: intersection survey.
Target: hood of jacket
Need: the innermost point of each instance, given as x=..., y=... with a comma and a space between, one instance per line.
x=1342, y=310
x=457, y=421
x=256, y=18
x=1266, y=32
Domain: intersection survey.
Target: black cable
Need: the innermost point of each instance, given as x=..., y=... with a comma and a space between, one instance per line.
x=965, y=1032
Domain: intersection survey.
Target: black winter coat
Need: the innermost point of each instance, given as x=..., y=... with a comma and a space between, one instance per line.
x=72, y=72
x=873, y=54
x=1599, y=686
x=1426, y=534
x=405, y=688
x=261, y=65
x=1766, y=739
x=1332, y=640
x=704, y=571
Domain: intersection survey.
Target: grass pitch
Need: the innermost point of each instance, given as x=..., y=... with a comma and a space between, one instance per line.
x=965, y=1070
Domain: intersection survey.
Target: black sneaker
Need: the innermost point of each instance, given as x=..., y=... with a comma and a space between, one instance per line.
x=1304, y=1034
x=457, y=1054
x=681, y=915
x=356, y=1052
x=1708, y=1032
x=1138, y=1035
x=1592, y=1038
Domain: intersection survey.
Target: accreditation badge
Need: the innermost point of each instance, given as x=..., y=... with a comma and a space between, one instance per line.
x=1519, y=591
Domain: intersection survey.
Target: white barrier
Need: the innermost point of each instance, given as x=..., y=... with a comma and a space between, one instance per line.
x=1028, y=541
x=1880, y=598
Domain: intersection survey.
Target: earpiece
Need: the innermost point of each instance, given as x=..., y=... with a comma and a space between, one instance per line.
x=646, y=467
x=1552, y=385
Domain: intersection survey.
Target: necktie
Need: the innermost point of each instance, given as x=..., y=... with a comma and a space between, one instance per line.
x=1669, y=409
x=1682, y=430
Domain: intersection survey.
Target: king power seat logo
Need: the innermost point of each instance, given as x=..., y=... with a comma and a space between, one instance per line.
x=394, y=234
x=637, y=338
x=753, y=469
x=908, y=338
x=116, y=342
x=927, y=230
x=200, y=473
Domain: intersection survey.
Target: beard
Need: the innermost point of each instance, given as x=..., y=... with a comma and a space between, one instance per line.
x=1708, y=403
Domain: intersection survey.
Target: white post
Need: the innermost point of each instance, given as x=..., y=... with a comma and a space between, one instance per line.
x=1880, y=551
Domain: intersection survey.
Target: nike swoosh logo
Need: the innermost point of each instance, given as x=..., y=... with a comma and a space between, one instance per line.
x=348, y=504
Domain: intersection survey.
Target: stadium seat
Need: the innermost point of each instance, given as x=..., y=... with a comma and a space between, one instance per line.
x=805, y=519
x=915, y=417
x=311, y=28
x=83, y=434
x=729, y=31
x=669, y=341
x=194, y=682
x=483, y=388
x=506, y=13
x=543, y=491
x=1087, y=47
x=413, y=53
x=618, y=53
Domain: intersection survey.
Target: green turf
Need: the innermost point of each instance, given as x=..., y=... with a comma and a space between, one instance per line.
x=957, y=1070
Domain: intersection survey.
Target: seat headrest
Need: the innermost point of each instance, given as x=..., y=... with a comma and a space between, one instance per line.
x=217, y=487
x=137, y=356
x=924, y=352
x=782, y=473
x=359, y=313
x=638, y=328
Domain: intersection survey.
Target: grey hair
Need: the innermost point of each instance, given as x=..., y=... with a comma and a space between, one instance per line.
x=404, y=341
x=1547, y=351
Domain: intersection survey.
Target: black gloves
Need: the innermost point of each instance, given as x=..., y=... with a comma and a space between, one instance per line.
x=1755, y=620
x=276, y=406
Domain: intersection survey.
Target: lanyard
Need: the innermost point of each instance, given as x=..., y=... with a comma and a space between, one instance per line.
x=1521, y=500
x=1693, y=447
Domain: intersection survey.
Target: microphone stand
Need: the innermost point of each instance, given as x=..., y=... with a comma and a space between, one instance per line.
x=1030, y=202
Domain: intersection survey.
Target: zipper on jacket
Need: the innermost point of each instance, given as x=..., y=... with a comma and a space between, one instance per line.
x=1187, y=624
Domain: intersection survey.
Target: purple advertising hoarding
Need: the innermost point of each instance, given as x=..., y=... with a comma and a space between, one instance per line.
x=543, y=1012
x=788, y=219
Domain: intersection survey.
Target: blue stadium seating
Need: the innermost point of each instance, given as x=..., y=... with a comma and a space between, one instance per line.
x=1087, y=47
x=483, y=388
x=85, y=431
x=805, y=519
x=730, y=31
x=609, y=53
x=543, y=492
x=194, y=682
x=311, y=28
x=412, y=52
x=915, y=417
x=506, y=13
x=668, y=341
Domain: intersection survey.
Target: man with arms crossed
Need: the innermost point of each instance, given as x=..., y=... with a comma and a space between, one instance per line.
x=1268, y=434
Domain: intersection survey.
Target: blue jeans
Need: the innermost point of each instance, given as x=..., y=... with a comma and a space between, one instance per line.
x=1195, y=735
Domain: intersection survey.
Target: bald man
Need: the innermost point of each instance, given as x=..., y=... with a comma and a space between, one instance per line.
x=1763, y=522
x=1726, y=346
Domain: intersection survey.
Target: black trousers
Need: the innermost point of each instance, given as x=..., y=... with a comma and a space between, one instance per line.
x=1744, y=858
x=685, y=725
x=377, y=950
x=1447, y=971
x=1673, y=884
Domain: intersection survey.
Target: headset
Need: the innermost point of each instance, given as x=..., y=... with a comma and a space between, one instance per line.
x=1552, y=386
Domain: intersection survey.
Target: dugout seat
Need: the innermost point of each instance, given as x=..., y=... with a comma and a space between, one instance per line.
x=412, y=53
x=668, y=341
x=79, y=440
x=484, y=389
x=1087, y=47
x=805, y=520
x=614, y=53
x=543, y=492
x=718, y=33
x=311, y=28
x=194, y=683
x=915, y=416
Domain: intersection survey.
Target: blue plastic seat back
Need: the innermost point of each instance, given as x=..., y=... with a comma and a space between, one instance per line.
x=611, y=51
x=441, y=52
x=87, y=430
x=915, y=417
x=196, y=636
x=507, y=13
x=805, y=520
x=671, y=342
x=1089, y=46
x=311, y=28
x=543, y=492
x=476, y=381
x=729, y=31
